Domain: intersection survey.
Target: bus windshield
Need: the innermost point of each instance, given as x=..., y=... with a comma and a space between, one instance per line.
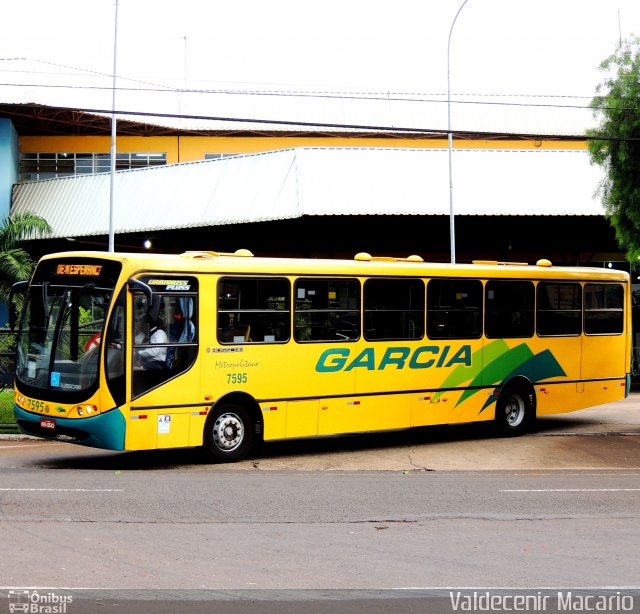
x=61, y=331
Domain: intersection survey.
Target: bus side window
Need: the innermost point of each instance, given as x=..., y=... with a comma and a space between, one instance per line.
x=454, y=309
x=168, y=346
x=509, y=309
x=393, y=309
x=603, y=309
x=559, y=310
x=253, y=310
x=327, y=309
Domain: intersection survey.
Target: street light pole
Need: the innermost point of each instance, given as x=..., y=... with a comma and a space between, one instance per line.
x=113, y=136
x=452, y=224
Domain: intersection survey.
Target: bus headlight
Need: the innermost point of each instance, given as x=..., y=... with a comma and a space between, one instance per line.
x=85, y=410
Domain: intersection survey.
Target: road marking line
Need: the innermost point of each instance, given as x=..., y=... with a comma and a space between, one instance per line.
x=572, y=490
x=62, y=489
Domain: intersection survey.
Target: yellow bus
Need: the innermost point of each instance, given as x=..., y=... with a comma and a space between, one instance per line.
x=224, y=351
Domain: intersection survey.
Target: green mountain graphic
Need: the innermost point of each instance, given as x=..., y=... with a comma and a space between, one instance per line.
x=496, y=363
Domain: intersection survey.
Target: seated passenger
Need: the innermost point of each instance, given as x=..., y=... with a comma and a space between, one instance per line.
x=154, y=358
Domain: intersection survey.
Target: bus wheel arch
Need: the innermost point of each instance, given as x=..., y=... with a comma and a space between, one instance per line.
x=233, y=428
x=515, y=407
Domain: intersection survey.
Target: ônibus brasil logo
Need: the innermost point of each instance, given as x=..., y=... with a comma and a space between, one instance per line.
x=31, y=601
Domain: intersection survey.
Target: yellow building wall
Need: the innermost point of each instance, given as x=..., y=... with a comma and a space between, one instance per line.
x=193, y=148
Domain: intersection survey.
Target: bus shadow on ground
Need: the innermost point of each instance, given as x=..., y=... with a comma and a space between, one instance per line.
x=177, y=458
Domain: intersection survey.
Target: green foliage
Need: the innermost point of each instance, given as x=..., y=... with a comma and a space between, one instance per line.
x=85, y=315
x=616, y=146
x=15, y=262
x=6, y=410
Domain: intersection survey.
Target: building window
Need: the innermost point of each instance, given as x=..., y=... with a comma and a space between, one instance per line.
x=219, y=156
x=35, y=166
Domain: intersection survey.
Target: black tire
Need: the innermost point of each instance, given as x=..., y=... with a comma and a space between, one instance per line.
x=228, y=433
x=514, y=411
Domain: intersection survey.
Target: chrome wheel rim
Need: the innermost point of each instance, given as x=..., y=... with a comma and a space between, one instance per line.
x=515, y=411
x=228, y=432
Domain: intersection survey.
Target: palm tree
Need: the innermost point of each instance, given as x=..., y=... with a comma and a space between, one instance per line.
x=15, y=262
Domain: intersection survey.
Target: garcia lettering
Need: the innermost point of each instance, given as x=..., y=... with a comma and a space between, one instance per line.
x=394, y=357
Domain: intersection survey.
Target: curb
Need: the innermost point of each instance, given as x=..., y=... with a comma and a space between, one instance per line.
x=16, y=437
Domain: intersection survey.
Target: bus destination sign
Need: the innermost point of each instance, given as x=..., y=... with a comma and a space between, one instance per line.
x=86, y=270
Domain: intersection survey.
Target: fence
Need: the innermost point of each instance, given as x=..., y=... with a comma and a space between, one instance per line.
x=7, y=371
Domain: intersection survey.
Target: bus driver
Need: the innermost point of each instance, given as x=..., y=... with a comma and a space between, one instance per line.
x=153, y=357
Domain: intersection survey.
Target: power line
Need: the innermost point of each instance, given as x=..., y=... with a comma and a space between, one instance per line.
x=382, y=96
x=374, y=96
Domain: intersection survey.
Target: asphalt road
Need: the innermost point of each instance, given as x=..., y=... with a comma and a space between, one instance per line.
x=400, y=514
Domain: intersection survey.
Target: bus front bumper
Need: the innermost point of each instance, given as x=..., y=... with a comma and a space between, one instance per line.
x=102, y=431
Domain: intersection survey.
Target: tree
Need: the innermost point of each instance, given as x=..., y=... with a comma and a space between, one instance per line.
x=615, y=144
x=15, y=262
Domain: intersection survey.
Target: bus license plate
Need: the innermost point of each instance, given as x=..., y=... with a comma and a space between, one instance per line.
x=47, y=423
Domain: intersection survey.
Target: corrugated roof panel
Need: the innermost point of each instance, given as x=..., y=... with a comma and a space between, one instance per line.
x=232, y=190
x=318, y=181
x=486, y=182
x=254, y=188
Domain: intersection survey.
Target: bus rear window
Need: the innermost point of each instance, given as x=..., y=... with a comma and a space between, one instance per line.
x=559, y=309
x=603, y=309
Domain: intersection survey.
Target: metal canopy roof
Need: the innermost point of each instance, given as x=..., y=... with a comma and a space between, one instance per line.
x=50, y=93
x=317, y=181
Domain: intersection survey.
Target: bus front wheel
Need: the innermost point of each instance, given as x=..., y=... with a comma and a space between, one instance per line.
x=514, y=411
x=228, y=435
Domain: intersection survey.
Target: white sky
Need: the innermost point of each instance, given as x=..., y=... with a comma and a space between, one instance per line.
x=516, y=47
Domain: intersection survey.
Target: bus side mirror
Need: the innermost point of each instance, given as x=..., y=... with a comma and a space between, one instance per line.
x=155, y=308
x=20, y=287
x=13, y=316
x=153, y=300
x=140, y=286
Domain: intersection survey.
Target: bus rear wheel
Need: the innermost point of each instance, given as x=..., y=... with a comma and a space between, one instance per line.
x=228, y=434
x=514, y=411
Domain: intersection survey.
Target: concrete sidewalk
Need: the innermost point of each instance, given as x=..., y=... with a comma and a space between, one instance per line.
x=605, y=437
